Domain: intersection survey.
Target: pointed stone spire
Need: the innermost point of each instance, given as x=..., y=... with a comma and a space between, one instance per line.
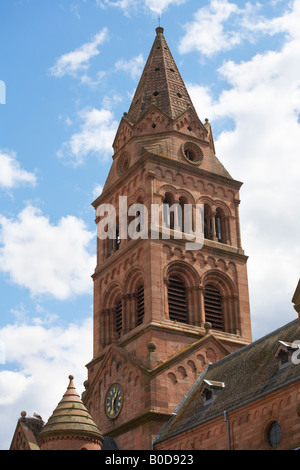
x=160, y=84
x=70, y=427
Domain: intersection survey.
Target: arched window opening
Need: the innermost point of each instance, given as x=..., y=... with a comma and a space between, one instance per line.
x=220, y=226
x=112, y=242
x=213, y=307
x=118, y=318
x=140, y=308
x=207, y=222
x=184, y=226
x=118, y=239
x=168, y=215
x=177, y=299
x=141, y=216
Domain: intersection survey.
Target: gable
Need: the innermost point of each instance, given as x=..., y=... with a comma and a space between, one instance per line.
x=194, y=358
x=26, y=432
x=124, y=133
x=117, y=364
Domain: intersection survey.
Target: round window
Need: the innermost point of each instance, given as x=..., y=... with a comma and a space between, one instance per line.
x=123, y=163
x=274, y=434
x=192, y=153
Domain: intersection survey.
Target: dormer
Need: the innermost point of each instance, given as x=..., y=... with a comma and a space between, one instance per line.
x=211, y=390
x=285, y=352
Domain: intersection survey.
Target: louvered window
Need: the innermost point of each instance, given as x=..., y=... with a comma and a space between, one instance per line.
x=213, y=307
x=177, y=298
x=118, y=318
x=140, y=305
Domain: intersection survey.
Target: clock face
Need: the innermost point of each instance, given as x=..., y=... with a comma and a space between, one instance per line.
x=114, y=400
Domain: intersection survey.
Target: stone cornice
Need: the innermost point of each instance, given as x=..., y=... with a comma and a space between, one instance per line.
x=151, y=415
x=169, y=162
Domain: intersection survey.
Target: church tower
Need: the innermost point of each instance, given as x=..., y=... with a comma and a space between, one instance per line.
x=163, y=310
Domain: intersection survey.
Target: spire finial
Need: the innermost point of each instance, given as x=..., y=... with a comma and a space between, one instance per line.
x=71, y=384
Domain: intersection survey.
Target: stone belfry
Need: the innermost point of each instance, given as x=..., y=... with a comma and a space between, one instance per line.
x=163, y=311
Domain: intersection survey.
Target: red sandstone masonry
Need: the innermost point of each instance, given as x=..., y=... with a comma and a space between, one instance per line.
x=248, y=426
x=151, y=149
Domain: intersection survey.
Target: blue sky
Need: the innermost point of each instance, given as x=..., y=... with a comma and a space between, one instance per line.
x=70, y=69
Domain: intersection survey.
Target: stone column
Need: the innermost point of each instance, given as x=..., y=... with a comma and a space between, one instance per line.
x=213, y=225
x=124, y=314
x=201, y=292
x=132, y=311
x=166, y=309
x=191, y=305
x=238, y=230
x=227, y=230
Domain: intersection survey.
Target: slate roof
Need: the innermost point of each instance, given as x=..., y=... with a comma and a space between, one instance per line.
x=160, y=84
x=249, y=374
x=71, y=417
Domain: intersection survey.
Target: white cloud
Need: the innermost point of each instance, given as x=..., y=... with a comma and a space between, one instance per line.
x=159, y=6
x=124, y=4
x=78, y=60
x=219, y=26
x=155, y=6
x=11, y=174
x=97, y=191
x=45, y=258
x=288, y=23
x=133, y=67
x=96, y=135
x=12, y=386
x=263, y=102
x=43, y=358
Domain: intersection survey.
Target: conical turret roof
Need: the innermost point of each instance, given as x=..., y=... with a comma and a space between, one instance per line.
x=160, y=84
x=71, y=417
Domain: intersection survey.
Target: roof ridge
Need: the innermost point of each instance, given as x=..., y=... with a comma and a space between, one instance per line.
x=250, y=345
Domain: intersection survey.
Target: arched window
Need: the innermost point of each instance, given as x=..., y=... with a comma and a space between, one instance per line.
x=168, y=215
x=113, y=241
x=118, y=239
x=183, y=202
x=220, y=226
x=213, y=307
x=140, y=308
x=141, y=215
x=207, y=222
x=177, y=299
x=118, y=318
